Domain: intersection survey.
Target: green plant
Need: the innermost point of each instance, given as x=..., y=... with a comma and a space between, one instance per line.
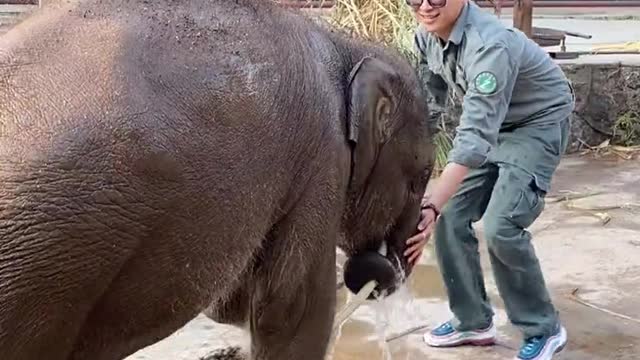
x=443, y=140
x=626, y=129
x=443, y=143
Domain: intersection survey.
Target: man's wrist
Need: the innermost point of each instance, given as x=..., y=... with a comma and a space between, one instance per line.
x=433, y=207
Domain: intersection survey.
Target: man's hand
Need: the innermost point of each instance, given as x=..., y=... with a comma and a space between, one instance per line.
x=448, y=184
x=415, y=244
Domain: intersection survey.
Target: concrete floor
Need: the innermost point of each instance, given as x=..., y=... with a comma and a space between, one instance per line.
x=575, y=251
x=603, y=31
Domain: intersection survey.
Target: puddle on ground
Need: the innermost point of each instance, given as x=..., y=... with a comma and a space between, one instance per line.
x=377, y=330
x=363, y=335
x=426, y=282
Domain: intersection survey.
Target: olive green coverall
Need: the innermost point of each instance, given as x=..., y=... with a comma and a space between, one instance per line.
x=512, y=133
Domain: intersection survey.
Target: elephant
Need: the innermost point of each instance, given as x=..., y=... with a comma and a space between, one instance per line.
x=158, y=158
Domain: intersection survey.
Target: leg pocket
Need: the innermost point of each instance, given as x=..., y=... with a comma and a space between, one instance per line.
x=528, y=205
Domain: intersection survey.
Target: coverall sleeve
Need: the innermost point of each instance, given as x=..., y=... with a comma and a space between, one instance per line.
x=435, y=85
x=491, y=77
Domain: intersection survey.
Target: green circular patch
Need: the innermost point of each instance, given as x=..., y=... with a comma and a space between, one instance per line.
x=486, y=82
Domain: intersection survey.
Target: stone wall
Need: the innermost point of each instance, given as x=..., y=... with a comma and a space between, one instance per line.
x=607, y=105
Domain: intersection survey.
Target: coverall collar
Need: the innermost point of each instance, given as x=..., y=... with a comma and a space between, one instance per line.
x=458, y=28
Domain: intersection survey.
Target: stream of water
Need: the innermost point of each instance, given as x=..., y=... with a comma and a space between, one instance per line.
x=379, y=325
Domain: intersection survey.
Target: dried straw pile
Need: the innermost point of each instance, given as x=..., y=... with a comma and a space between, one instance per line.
x=387, y=21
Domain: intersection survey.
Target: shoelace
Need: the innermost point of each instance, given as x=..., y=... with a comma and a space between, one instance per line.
x=445, y=326
x=531, y=344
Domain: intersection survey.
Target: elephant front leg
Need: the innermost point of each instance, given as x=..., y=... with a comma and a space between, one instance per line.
x=232, y=310
x=293, y=306
x=295, y=322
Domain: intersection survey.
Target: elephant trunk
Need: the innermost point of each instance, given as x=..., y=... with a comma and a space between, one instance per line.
x=368, y=266
x=388, y=266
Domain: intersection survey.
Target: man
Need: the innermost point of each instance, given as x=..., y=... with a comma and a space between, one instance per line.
x=513, y=130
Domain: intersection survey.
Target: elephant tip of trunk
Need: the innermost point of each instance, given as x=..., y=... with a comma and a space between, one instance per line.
x=370, y=266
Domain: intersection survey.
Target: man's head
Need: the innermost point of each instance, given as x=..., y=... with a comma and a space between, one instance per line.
x=437, y=16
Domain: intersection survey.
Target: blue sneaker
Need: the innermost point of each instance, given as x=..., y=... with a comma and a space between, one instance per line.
x=446, y=335
x=543, y=348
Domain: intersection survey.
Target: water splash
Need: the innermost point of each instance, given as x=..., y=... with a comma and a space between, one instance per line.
x=395, y=314
x=393, y=318
x=382, y=323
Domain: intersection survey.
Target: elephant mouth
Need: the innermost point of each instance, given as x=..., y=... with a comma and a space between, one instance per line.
x=376, y=266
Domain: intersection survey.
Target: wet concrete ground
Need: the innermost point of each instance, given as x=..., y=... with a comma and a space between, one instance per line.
x=575, y=250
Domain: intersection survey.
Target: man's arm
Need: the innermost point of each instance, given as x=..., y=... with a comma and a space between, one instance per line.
x=491, y=79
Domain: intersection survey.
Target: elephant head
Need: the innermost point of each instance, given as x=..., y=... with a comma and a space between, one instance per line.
x=392, y=160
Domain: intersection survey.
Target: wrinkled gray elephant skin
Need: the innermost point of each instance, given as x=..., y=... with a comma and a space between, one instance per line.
x=157, y=157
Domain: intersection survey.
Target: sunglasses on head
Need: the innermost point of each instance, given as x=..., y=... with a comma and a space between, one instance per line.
x=433, y=3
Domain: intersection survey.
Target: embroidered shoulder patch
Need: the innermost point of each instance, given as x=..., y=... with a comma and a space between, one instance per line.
x=485, y=82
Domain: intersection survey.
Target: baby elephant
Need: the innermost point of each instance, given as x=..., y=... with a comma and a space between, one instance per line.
x=160, y=156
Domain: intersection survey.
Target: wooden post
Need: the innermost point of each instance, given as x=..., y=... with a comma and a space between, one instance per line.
x=523, y=16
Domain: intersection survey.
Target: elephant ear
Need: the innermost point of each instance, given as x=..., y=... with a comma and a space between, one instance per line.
x=372, y=102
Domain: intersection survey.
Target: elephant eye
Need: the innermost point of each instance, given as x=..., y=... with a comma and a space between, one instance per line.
x=418, y=183
x=426, y=174
x=415, y=185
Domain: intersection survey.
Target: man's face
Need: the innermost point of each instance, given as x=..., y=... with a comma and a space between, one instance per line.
x=439, y=19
